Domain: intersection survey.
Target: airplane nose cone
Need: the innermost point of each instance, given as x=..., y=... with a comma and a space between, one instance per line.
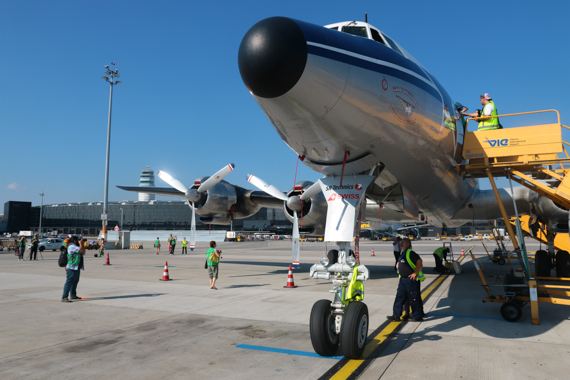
x=272, y=57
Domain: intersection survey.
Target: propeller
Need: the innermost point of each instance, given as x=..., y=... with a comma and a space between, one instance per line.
x=193, y=194
x=294, y=203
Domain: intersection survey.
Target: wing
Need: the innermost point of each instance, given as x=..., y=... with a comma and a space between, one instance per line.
x=168, y=191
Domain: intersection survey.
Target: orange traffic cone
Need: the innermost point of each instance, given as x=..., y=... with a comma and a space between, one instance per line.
x=462, y=252
x=165, y=276
x=372, y=252
x=107, y=260
x=290, y=282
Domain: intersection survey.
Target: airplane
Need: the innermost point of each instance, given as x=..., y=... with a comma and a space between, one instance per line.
x=358, y=108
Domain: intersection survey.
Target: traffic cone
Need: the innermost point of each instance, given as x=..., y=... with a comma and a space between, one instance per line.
x=462, y=252
x=107, y=260
x=165, y=276
x=290, y=282
x=372, y=252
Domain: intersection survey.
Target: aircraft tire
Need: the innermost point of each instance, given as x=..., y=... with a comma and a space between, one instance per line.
x=511, y=311
x=501, y=261
x=354, y=330
x=541, y=264
x=562, y=264
x=322, y=329
x=333, y=256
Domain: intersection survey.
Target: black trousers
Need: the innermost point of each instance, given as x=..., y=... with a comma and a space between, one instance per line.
x=184, y=250
x=34, y=253
x=438, y=264
x=409, y=290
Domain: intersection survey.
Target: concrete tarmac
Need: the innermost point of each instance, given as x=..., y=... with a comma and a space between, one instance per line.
x=130, y=325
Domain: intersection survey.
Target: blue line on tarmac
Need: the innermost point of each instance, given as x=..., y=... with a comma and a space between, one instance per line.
x=461, y=316
x=288, y=352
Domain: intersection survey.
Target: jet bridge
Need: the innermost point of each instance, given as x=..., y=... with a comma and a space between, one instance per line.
x=530, y=156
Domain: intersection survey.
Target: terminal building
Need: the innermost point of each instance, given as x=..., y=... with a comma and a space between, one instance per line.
x=85, y=218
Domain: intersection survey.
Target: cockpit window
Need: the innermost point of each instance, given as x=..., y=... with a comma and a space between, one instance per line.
x=334, y=28
x=393, y=44
x=376, y=36
x=356, y=30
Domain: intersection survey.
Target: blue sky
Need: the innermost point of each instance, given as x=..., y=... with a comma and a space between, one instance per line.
x=182, y=106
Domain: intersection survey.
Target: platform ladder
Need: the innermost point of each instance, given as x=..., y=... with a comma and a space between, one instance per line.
x=529, y=156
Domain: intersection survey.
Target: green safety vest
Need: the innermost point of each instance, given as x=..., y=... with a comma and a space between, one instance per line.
x=439, y=252
x=449, y=120
x=491, y=123
x=156, y=243
x=420, y=276
x=184, y=243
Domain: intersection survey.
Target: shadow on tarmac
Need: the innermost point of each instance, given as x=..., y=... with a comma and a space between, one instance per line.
x=119, y=297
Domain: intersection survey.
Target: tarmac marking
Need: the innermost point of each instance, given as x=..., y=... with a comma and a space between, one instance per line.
x=351, y=368
x=463, y=316
x=288, y=352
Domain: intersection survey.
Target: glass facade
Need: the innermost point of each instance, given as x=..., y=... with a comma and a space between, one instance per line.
x=154, y=215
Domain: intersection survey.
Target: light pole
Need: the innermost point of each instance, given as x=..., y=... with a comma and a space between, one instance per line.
x=114, y=74
x=41, y=207
x=121, y=218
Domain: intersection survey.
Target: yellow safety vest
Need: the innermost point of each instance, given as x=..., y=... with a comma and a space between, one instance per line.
x=420, y=276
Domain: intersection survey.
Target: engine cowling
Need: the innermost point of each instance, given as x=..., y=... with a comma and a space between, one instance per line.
x=217, y=200
x=313, y=214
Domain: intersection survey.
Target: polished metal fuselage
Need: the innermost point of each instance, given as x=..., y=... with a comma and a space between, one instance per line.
x=360, y=96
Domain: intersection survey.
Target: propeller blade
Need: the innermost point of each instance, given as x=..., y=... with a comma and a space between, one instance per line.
x=172, y=181
x=314, y=189
x=269, y=189
x=295, y=251
x=210, y=182
x=193, y=229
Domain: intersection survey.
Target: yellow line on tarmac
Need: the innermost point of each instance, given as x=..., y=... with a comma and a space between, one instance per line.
x=349, y=368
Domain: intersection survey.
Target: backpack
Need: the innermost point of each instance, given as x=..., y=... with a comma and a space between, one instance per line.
x=62, y=261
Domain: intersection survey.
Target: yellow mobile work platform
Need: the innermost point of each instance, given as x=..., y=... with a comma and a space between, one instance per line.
x=530, y=156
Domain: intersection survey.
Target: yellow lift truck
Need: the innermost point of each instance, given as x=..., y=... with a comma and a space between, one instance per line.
x=529, y=156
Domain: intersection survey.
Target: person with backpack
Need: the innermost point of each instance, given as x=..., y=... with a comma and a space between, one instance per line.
x=21, y=248
x=75, y=253
x=213, y=260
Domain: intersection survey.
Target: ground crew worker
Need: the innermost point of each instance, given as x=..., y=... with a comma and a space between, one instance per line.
x=439, y=255
x=489, y=110
x=410, y=268
x=184, y=246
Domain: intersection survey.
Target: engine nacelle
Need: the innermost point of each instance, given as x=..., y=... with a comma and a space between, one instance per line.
x=313, y=212
x=217, y=200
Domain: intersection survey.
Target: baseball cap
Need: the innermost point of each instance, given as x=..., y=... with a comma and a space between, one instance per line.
x=486, y=96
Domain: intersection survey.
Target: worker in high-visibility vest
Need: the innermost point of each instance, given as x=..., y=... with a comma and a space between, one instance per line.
x=411, y=275
x=440, y=255
x=489, y=110
x=184, y=246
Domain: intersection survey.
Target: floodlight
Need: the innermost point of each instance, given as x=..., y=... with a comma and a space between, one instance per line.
x=106, y=66
x=108, y=72
x=118, y=82
x=106, y=78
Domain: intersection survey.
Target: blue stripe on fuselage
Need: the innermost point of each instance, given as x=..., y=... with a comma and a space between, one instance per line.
x=374, y=67
x=365, y=47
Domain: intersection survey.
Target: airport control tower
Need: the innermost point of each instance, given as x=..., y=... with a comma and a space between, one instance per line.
x=147, y=179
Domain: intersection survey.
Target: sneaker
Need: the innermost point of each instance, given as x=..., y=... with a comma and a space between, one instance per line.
x=76, y=298
x=65, y=300
x=393, y=318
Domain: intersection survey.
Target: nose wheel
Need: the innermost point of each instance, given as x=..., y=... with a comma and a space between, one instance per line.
x=354, y=330
x=322, y=328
